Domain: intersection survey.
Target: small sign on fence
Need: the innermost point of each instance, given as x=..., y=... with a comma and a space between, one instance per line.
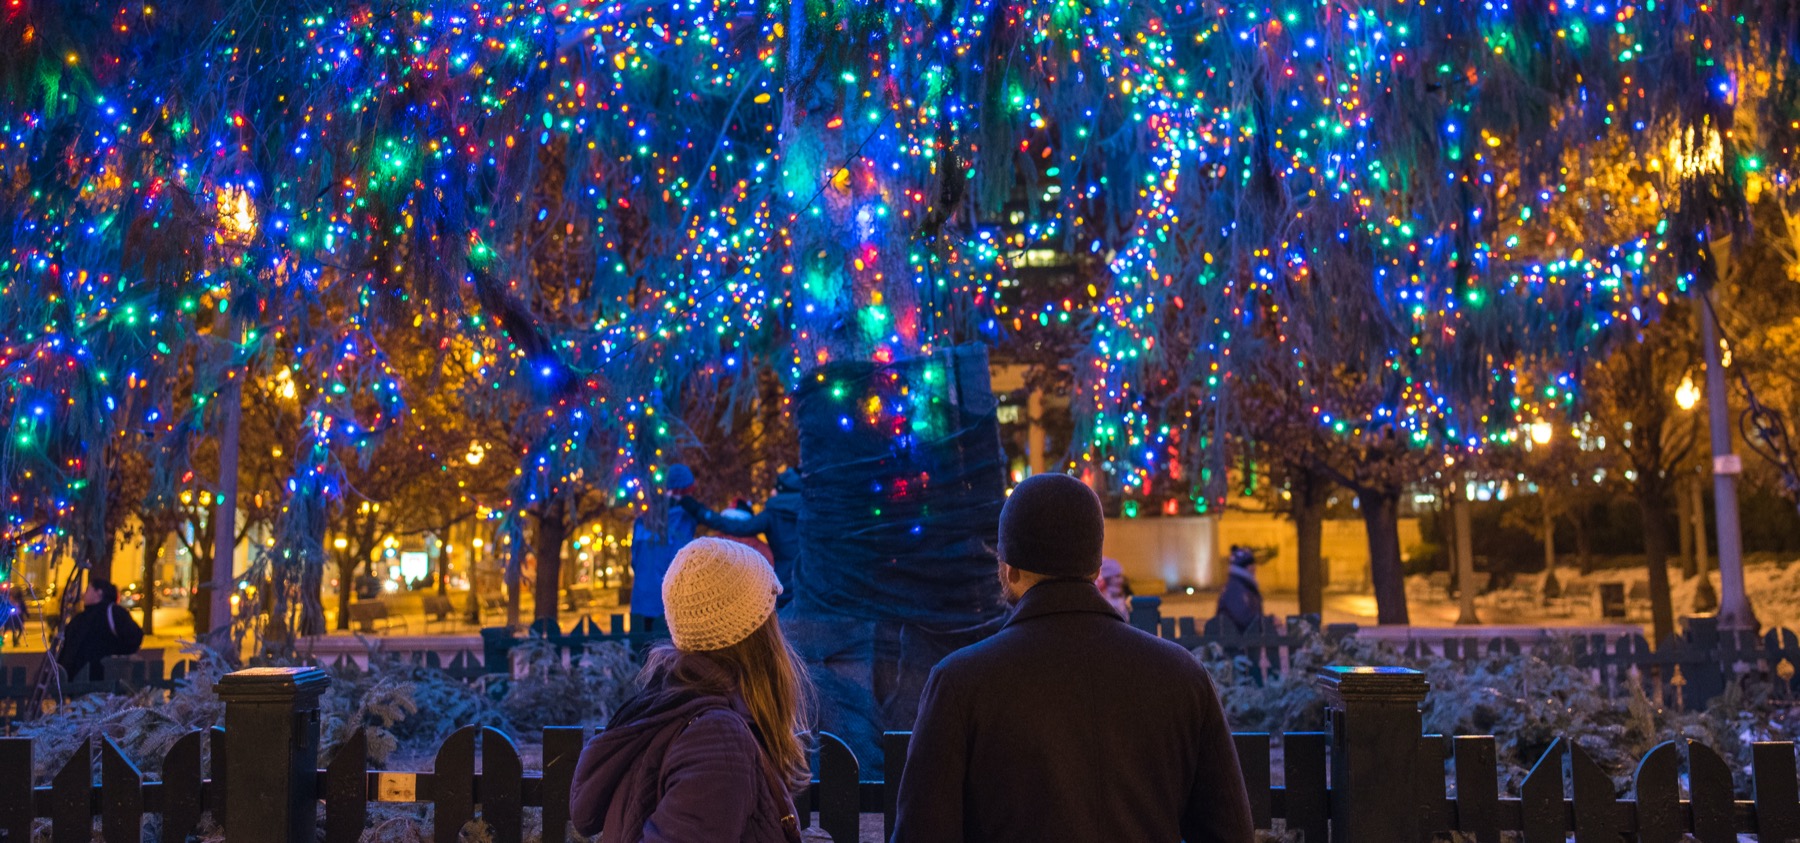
x=397, y=787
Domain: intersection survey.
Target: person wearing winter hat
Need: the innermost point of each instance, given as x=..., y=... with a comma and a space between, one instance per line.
x=711, y=748
x=1068, y=724
x=1114, y=587
x=655, y=536
x=1241, y=603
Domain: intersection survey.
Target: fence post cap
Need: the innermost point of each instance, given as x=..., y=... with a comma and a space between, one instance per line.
x=273, y=684
x=1355, y=683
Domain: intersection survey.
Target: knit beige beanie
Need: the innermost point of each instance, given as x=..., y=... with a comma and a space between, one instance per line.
x=716, y=593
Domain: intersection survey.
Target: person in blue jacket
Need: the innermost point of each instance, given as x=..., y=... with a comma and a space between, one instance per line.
x=652, y=550
x=778, y=523
x=1241, y=602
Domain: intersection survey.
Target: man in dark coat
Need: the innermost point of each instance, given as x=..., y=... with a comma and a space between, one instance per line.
x=102, y=629
x=1241, y=602
x=778, y=523
x=1069, y=724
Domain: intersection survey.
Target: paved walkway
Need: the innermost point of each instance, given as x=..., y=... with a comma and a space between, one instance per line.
x=1359, y=609
x=1774, y=589
x=175, y=625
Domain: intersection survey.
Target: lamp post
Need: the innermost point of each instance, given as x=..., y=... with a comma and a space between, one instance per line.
x=1695, y=153
x=1687, y=397
x=1542, y=434
x=1734, y=604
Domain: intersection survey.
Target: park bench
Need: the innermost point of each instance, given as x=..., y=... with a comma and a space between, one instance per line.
x=1526, y=590
x=492, y=604
x=438, y=610
x=1577, y=596
x=137, y=670
x=1637, y=600
x=366, y=615
x=1479, y=581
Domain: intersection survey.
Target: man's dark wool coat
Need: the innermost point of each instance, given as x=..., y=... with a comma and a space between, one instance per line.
x=1071, y=725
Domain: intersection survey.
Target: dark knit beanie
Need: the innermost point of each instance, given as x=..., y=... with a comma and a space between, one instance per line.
x=1052, y=525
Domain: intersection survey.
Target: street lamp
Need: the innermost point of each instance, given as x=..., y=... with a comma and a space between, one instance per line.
x=1542, y=432
x=1734, y=603
x=1697, y=152
x=1687, y=395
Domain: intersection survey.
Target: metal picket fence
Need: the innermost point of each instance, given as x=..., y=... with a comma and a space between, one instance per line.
x=1372, y=777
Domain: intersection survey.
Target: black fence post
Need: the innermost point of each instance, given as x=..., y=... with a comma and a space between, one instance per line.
x=1375, y=729
x=496, y=649
x=1146, y=613
x=272, y=742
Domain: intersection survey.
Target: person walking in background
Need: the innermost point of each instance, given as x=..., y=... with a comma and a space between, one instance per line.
x=102, y=629
x=710, y=749
x=1114, y=587
x=740, y=511
x=16, y=611
x=778, y=524
x=1241, y=602
x=652, y=549
x=1068, y=724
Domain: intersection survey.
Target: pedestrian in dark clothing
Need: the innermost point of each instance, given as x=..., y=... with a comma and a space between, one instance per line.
x=1069, y=724
x=710, y=750
x=778, y=523
x=653, y=546
x=16, y=611
x=1241, y=602
x=102, y=629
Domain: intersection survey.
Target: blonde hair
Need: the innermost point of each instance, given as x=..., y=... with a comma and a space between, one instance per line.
x=768, y=674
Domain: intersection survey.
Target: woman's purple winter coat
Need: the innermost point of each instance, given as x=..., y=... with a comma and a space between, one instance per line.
x=680, y=766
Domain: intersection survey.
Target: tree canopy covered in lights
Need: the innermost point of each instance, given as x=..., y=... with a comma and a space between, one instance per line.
x=597, y=205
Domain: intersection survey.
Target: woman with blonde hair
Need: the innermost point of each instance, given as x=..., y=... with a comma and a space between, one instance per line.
x=712, y=748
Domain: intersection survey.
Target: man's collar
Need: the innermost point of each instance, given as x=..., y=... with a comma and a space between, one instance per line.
x=1059, y=596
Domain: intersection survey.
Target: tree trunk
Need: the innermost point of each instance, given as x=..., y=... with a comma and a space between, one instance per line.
x=97, y=523
x=1705, y=598
x=225, y=517
x=514, y=569
x=1035, y=445
x=1584, y=560
x=200, y=597
x=153, y=544
x=1309, y=491
x=98, y=557
x=443, y=562
x=1465, y=559
x=552, y=529
x=1685, y=529
x=1381, y=517
x=346, y=584
x=313, y=621
x=472, y=608
x=1551, y=587
x=1654, y=509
